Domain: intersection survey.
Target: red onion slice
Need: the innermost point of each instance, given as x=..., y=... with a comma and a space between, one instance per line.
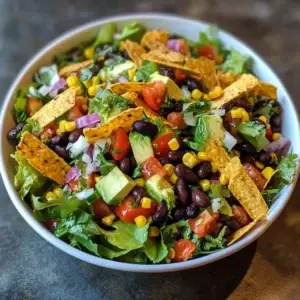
x=87, y=120
x=280, y=147
x=174, y=44
x=73, y=174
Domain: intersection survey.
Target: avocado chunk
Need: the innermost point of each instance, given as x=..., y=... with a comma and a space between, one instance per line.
x=141, y=146
x=114, y=186
x=121, y=68
x=173, y=90
x=159, y=189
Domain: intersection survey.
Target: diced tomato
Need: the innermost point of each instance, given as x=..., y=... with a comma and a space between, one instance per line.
x=204, y=224
x=33, y=105
x=160, y=144
x=176, y=119
x=269, y=134
x=74, y=113
x=153, y=166
x=91, y=180
x=154, y=96
x=50, y=129
x=73, y=184
x=184, y=47
x=240, y=215
x=100, y=209
x=127, y=212
x=208, y=51
x=79, y=101
x=180, y=75
x=183, y=250
x=51, y=224
x=120, y=144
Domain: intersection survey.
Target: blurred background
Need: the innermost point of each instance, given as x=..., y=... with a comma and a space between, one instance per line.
x=33, y=269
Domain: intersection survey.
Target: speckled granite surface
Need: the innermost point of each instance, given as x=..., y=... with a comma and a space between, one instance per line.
x=30, y=268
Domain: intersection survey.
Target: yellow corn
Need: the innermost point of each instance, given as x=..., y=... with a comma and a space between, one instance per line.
x=70, y=126
x=259, y=165
x=224, y=179
x=72, y=80
x=92, y=90
x=205, y=185
x=169, y=169
x=190, y=160
x=89, y=52
x=173, y=178
x=216, y=92
x=202, y=156
x=146, y=202
x=263, y=118
x=214, y=169
x=206, y=97
x=196, y=94
x=245, y=115
x=50, y=196
x=95, y=80
x=78, y=91
x=140, y=221
x=140, y=182
x=276, y=136
x=268, y=172
x=108, y=220
x=154, y=231
x=62, y=125
x=131, y=74
x=173, y=144
x=171, y=253
x=58, y=192
x=236, y=113
x=219, y=59
x=268, y=126
x=58, y=132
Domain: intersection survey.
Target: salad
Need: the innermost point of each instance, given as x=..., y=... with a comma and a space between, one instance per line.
x=143, y=146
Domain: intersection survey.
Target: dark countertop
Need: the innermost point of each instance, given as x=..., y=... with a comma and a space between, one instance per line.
x=31, y=268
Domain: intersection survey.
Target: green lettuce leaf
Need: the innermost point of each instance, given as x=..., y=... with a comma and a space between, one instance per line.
x=32, y=126
x=134, y=31
x=197, y=108
x=46, y=74
x=19, y=110
x=105, y=35
x=210, y=37
x=156, y=250
x=286, y=168
x=268, y=110
x=144, y=72
x=220, y=192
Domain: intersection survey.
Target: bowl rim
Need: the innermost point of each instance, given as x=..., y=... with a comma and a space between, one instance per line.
x=47, y=235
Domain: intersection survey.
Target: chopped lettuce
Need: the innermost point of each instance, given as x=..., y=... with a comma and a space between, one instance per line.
x=210, y=37
x=105, y=35
x=47, y=75
x=197, y=107
x=286, y=168
x=105, y=165
x=268, y=110
x=144, y=72
x=156, y=250
x=254, y=133
x=219, y=192
x=28, y=179
x=19, y=110
x=134, y=31
x=31, y=125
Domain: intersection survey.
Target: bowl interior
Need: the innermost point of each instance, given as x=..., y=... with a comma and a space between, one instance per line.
x=182, y=26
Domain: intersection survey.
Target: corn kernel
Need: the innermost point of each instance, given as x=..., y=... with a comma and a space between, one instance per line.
x=263, y=118
x=140, y=182
x=169, y=169
x=97, y=178
x=219, y=59
x=171, y=253
x=131, y=74
x=140, y=221
x=224, y=179
x=58, y=132
x=88, y=83
x=173, y=144
x=214, y=168
x=70, y=126
x=146, y=202
x=268, y=126
x=276, y=136
x=216, y=92
x=89, y=52
x=202, y=156
x=236, y=113
x=84, y=107
x=205, y=185
x=206, y=97
x=268, y=172
x=259, y=165
x=50, y=196
x=245, y=115
x=154, y=231
x=108, y=220
x=92, y=91
x=72, y=80
x=58, y=192
x=95, y=80
x=173, y=178
x=196, y=94
x=62, y=125
x=190, y=160
x=78, y=91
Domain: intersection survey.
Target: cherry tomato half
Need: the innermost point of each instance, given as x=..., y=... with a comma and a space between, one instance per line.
x=183, y=250
x=154, y=96
x=127, y=212
x=73, y=185
x=100, y=209
x=176, y=119
x=51, y=224
x=120, y=144
x=160, y=144
x=74, y=113
x=269, y=134
x=153, y=166
x=50, y=129
x=208, y=51
x=240, y=215
x=204, y=224
x=180, y=75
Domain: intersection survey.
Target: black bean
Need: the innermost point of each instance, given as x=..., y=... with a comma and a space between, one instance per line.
x=138, y=193
x=183, y=193
x=175, y=156
x=166, y=71
x=74, y=136
x=233, y=224
x=192, y=211
x=62, y=152
x=246, y=148
x=276, y=129
x=163, y=160
x=187, y=174
x=244, y=103
x=145, y=128
x=13, y=133
x=133, y=162
x=125, y=165
x=232, y=200
x=192, y=84
x=199, y=198
x=161, y=213
x=248, y=159
x=125, y=54
x=61, y=140
x=264, y=157
x=204, y=169
x=178, y=106
x=178, y=214
x=276, y=121
x=228, y=232
x=186, y=133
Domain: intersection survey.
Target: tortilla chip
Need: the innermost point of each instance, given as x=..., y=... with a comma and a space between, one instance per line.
x=47, y=162
x=125, y=120
x=226, y=78
x=267, y=90
x=74, y=67
x=155, y=39
x=244, y=190
x=218, y=155
x=244, y=84
x=134, y=51
x=239, y=233
x=56, y=107
x=122, y=88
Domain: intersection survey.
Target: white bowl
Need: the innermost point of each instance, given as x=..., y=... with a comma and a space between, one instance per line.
x=182, y=26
